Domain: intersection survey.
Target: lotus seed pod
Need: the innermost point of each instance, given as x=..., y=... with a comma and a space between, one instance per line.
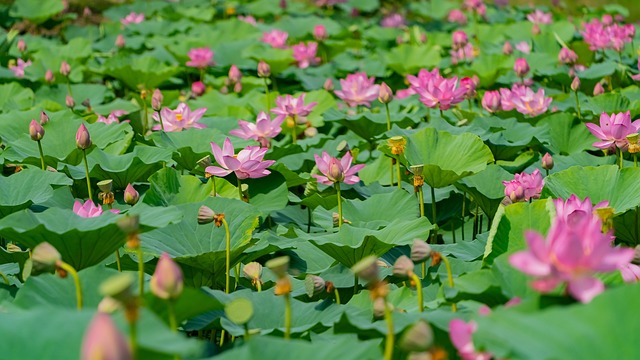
x=105, y=185
x=129, y=224
x=367, y=268
x=403, y=267
x=314, y=285
x=283, y=286
x=378, y=307
x=420, y=251
x=205, y=215
x=119, y=287
x=417, y=338
x=279, y=266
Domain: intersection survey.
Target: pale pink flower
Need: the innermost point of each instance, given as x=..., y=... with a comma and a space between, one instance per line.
x=248, y=19
x=179, y=119
x=438, y=91
x=18, y=69
x=567, y=56
x=276, y=38
x=103, y=340
x=393, y=20
x=294, y=108
x=336, y=170
x=463, y=54
x=461, y=334
x=491, y=101
x=263, y=130
x=527, y=102
x=358, y=89
x=200, y=58
x=86, y=210
x=613, y=130
x=476, y=6
x=132, y=18
x=523, y=47
x=112, y=118
x=539, y=17
x=573, y=210
x=305, y=55
x=248, y=163
x=630, y=273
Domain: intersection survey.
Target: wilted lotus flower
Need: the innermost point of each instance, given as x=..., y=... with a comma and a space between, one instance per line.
x=420, y=251
x=276, y=38
x=403, y=267
x=358, y=89
x=44, y=258
x=200, y=58
x=314, y=285
x=613, y=130
x=367, y=268
x=132, y=18
x=547, y=162
x=598, y=89
x=491, y=101
x=305, y=55
x=166, y=282
x=461, y=334
x=335, y=170
x=264, y=70
x=253, y=271
x=288, y=107
x=179, y=119
x=87, y=210
x=262, y=131
x=320, y=32
x=457, y=16
x=386, y=94
x=248, y=163
x=131, y=196
x=36, y=131
x=83, y=139
x=567, y=56
x=103, y=340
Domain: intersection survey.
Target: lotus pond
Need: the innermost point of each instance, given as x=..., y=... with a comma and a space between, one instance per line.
x=328, y=179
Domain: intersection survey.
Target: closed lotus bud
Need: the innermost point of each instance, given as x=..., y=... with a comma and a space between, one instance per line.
x=166, y=282
x=44, y=118
x=83, y=139
x=120, y=41
x=109, y=305
x=234, y=74
x=65, y=68
x=69, y=101
x=314, y=285
x=131, y=196
x=335, y=173
x=575, y=84
x=205, y=215
x=521, y=67
x=469, y=84
x=328, y=85
x=598, y=90
x=420, y=251
x=22, y=45
x=48, y=76
x=252, y=270
x=105, y=185
x=156, y=100
x=119, y=287
x=459, y=39
x=417, y=338
x=507, y=48
x=367, y=268
x=36, y=131
x=547, y=162
x=491, y=101
x=386, y=94
x=264, y=70
x=198, y=88
x=44, y=258
x=319, y=32
x=103, y=340
x=403, y=267
x=279, y=266
x=237, y=87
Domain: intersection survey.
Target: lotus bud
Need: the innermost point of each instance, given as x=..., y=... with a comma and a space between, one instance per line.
x=328, y=85
x=547, y=162
x=44, y=118
x=507, y=48
x=253, y=271
x=109, y=305
x=575, y=84
x=105, y=185
x=367, y=268
x=120, y=41
x=598, y=90
x=234, y=74
x=567, y=56
x=166, y=282
x=156, y=100
x=198, y=88
x=310, y=132
x=417, y=338
x=521, y=67
x=517, y=194
x=319, y=32
x=48, y=76
x=491, y=101
x=205, y=215
x=420, y=251
x=237, y=87
x=44, y=258
x=469, y=84
x=403, y=267
x=314, y=285
x=535, y=29
x=68, y=100
x=378, y=307
x=119, y=287
x=131, y=196
x=103, y=340
x=397, y=144
x=65, y=68
x=264, y=70
x=279, y=266
x=36, y=131
x=22, y=45
x=83, y=139
x=459, y=39
x=386, y=94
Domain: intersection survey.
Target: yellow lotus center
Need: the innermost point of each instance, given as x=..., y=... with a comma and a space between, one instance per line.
x=178, y=117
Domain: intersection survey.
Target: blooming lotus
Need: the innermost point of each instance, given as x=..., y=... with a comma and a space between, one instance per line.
x=358, y=89
x=613, y=130
x=539, y=17
x=440, y=92
x=248, y=163
x=477, y=6
x=527, y=102
x=200, y=58
x=263, y=130
x=567, y=56
x=293, y=108
x=393, y=20
x=630, y=273
x=523, y=47
x=112, y=118
x=465, y=53
x=605, y=35
x=336, y=170
x=18, y=70
x=573, y=210
x=180, y=118
x=461, y=334
x=132, y=18
x=276, y=38
x=248, y=19
x=530, y=184
x=457, y=16
x=86, y=210
x=571, y=254
x=305, y=55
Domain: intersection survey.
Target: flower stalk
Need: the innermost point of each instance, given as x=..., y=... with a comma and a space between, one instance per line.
x=447, y=264
x=337, y=184
x=227, y=254
x=86, y=169
x=76, y=280
x=390, y=339
x=44, y=167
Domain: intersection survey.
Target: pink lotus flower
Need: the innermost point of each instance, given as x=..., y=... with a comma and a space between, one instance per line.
x=523, y=47
x=613, y=130
x=423, y=78
x=598, y=89
x=305, y=55
x=572, y=211
x=630, y=273
x=276, y=38
x=248, y=19
x=320, y=32
x=103, y=340
x=527, y=102
x=248, y=163
x=166, y=282
x=294, y=108
x=393, y=20
x=459, y=39
x=198, y=88
x=477, y=6
x=328, y=3
x=200, y=58
x=112, y=118
x=263, y=130
x=18, y=70
x=567, y=56
x=572, y=254
x=179, y=119
x=521, y=67
x=358, y=89
x=601, y=35
x=469, y=85
x=491, y=101
x=86, y=210
x=524, y=187
x=336, y=170
x=132, y=18
x=457, y=16
x=463, y=54
x=461, y=334
x=438, y=91
x=539, y=17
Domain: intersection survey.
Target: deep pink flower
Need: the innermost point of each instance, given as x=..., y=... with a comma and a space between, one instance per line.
x=18, y=69
x=180, y=118
x=200, y=58
x=527, y=102
x=393, y=20
x=294, y=108
x=320, y=32
x=263, y=130
x=521, y=67
x=276, y=38
x=601, y=35
x=198, y=88
x=439, y=92
x=572, y=254
x=305, y=55
x=423, y=78
x=459, y=39
x=524, y=186
x=87, y=210
x=457, y=16
x=132, y=18
x=573, y=210
x=248, y=163
x=113, y=117
x=461, y=334
x=336, y=170
x=539, y=17
x=358, y=89
x=469, y=85
x=613, y=130
x=491, y=101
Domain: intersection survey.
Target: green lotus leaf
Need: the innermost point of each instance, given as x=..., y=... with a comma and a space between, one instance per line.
x=139, y=71
x=29, y=186
x=15, y=97
x=192, y=302
x=409, y=59
x=167, y=187
x=37, y=11
x=369, y=125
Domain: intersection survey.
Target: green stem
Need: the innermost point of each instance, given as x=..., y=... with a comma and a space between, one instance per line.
x=337, y=295
x=434, y=215
x=86, y=170
x=227, y=254
x=619, y=153
x=69, y=87
x=355, y=285
x=173, y=324
x=470, y=104
x=635, y=160
x=215, y=190
x=386, y=106
x=391, y=172
x=235, y=282
x=140, y=271
x=578, y=106
x=421, y=199
x=133, y=338
x=388, y=348
x=76, y=280
x=339, y=205
x=399, y=174
x=415, y=279
x=5, y=278
x=266, y=88
x=240, y=190
x=464, y=203
x=222, y=338
x=161, y=122
x=447, y=264
x=119, y=265
x=202, y=74
x=259, y=285
x=287, y=316
x=146, y=116
x=294, y=135
x=441, y=113
x=41, y=155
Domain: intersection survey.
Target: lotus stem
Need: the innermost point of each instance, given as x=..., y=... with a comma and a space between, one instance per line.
x=41, y=155
x=202, y=74
x=76, y=280
x=215, y=190
x=227, y=254
x=355, y=285
x=235, y=281
x=339, y=205
x=391, y=172
x=145, y=119
x=388, y=349
x=222, y=334
x=133, y=338
x=415, y=279
x=434, y=215
x=635, y=160
x=161, y=122
x=399, y=174
x=337, y=295
x=447, y=264
x=619, y=153
x=464, y=203
x=118, y=264
x=140, y=270
x=578, y=106
x=441, y=113
x=287, y=316
x=69, y=87
x=86, y=170
x=386, y=106
x=266, y=88
x=421, y=200
x=173, y=324
x=4, y=277
x=259, y=285
x=294, y=135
